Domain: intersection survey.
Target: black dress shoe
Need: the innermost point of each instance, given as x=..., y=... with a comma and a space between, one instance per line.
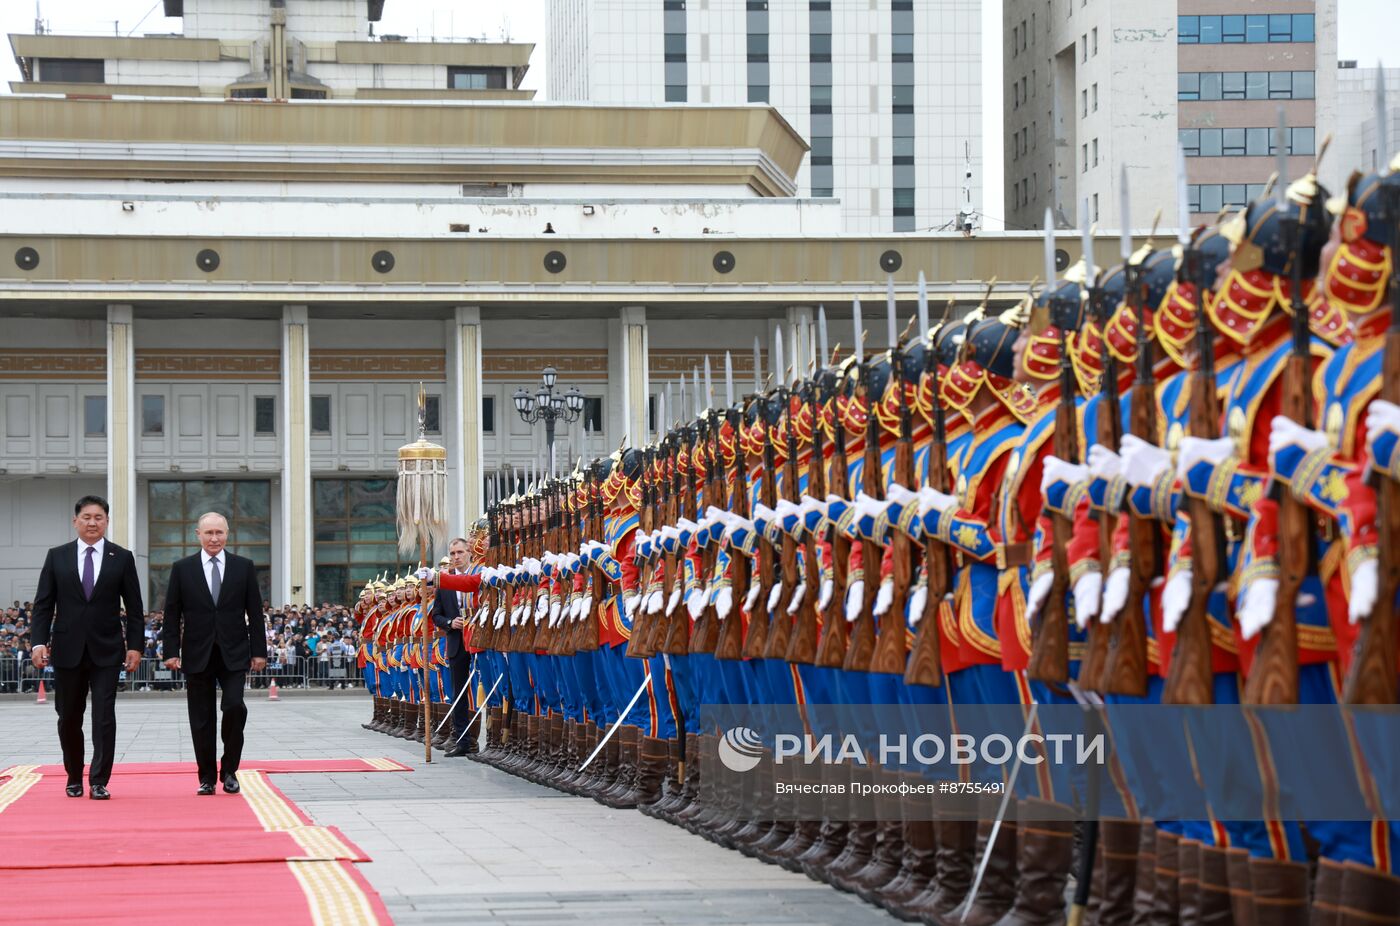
x=206, y=788
x=74, y=791
x=99, y=793
x=230, y=784
x=459, y=750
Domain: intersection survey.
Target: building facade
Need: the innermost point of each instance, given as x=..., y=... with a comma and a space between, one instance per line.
x=1093, y=85
x=888, y=94
x=252, y=338
x=1357, y=144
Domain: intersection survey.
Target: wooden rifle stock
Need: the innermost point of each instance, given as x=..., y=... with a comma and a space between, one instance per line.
x=1049, y=660
x=678, y=624
x=705, y=637
x=892, y=638
x=836, y=632
x=760, y=624
x=731, y=633
x=1125, y=669
x=590, y=627
x=861, y=652
x=925, y=665
x=1273, y=676
x=1189, y=677
x=803, y=648
x=780, y=633
x=638, y=646
x=664, y=514
x=1372, y=679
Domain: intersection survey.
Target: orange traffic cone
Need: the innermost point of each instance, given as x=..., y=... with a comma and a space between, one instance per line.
x=272, y=691
x=43, y=698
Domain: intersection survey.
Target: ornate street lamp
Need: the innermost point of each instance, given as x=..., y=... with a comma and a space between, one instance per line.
x=547, y=406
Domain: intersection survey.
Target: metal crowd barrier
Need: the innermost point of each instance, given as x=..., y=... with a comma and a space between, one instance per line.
x=152, y=675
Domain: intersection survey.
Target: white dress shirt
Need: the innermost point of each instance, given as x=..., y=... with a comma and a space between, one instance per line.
x=209, y=571
x=98, y=549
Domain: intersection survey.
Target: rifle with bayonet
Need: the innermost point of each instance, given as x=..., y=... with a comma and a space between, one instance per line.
x=862, y=647
x=892, y=639
x=836, y=632
x=760, y=622
x=731, y=635
x=677, y=642
x=803, y=647
x=705, y=635
x=780, y=633
x=925, y=665
x=638, y=646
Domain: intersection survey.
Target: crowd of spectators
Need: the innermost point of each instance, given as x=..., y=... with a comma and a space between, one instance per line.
x=312, y=647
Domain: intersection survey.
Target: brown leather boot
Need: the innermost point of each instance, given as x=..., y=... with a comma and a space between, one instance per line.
x=1280, y=892
x=1188, y=881
x=1046, y=852
x=1166, y=902
x=1241, y=886
x=1327, y=893
x=609, y=764
x=629, y=740
x=1145, y=886
x=918, y=862
x=759, y=801
x=860, y=841
x=1214, y=899
x=955, y=860
x=374, y=715
x=998, y=889
x=1368, y=897
x=831, y=838
x=888, y=853
x=653, y=761
x=669, y=796
x=688, y=772
x=705, y=793
x=805, y=832
x=1118, y=845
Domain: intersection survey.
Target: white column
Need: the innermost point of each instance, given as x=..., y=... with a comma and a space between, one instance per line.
x=633, y=354
x=297, y=571
x=464, y=379
x=121, y=425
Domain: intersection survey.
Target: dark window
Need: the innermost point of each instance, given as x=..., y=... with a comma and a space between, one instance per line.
x=1232, y=143
x=1256, y=28
x=1210, y=30
x=651, y=413
x=152, y=415
x=174, y=508
x=821, y=46
x=758, y=46
x=321, y=414
x=264, y=416
x=459, y=78
x=1280, y=28
x=248, y=93
x=1256, y=142
x=488, y=415
x=593, y=415
x=1190, y=141
x=1304, y=84
x=1232, y=86
x=1232, y=30
x=1302, y=140
x=1188, y=86
x=1210, y=143
x=1303, y=27
x=675, y=46
x=432, y=414
x=675, y=93
x=303, y=93
x=758, y=93
x=94, y=416
x=354, y=534
x=72, y=70
x=1193, y=197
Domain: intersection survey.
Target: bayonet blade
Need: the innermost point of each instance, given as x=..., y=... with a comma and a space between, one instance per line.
x=1086, y=240
x=1183, y=207
x=1281, y=158
x=757, y=367
x=923, y=306
x=891, y=321
x=728, y=381
x=778, y=367
x=1049, y=248
x=858, y=349
x=825, y=357
x=1382, y=124
x=1125, y=240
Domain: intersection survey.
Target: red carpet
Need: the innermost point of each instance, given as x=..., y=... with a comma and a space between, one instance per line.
x=156, y=853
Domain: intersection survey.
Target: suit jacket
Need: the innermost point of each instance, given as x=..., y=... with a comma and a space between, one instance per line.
x=194, y=621
x=67, y=622
x=445, y=611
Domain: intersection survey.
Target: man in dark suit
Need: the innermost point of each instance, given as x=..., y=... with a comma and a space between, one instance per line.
x=214, y=632
x=449, y=614
x=78, y=616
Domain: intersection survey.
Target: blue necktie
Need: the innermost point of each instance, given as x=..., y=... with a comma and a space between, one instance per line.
x=88, y=580
x=214, y=581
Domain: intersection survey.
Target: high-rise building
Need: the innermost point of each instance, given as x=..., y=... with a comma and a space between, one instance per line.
x=888, y=93
x=1092, y=85
x=1357, y=144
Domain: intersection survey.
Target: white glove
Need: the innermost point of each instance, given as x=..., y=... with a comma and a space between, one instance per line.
x=500, y=617
x=652, y=601
x=918, y=600
x=1103, y=462
x=1143, y=462
x=674, y=600
x=515, y=613
x=724, y=602
x=695, y=604
x=855, y=600
x=1056, y=470
x=1382, y=417
x=933, y=500
x=797, y=595
x=824, y=598
x=555, y=609
x=587, y=610
x=1115, y=594
x=751, y=597
x=1176, y=598
x=1365, y=580
x=884, y=597
x=1257, y=606
x=1087, y=593
x=774, y=594
x=1200, y=450
x=1284, y=432
x=630, y=604
x=575, y=607
x=541, y=607
x=900, y=495
x=1040, y=590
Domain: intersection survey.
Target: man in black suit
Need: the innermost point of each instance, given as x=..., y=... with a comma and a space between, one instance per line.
x=78, y=615
x=214, y=632
x=450, y=616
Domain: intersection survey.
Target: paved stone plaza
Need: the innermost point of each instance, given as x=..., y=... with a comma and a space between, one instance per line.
x=458, y=842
